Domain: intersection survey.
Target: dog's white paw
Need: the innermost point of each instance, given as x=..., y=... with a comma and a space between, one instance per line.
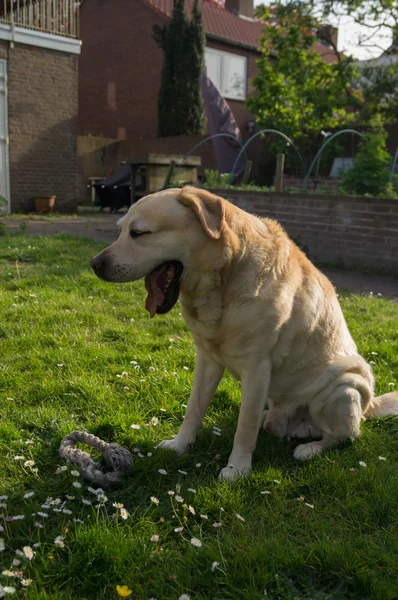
x=306, y=451
x=232, y=473
x=179, y=446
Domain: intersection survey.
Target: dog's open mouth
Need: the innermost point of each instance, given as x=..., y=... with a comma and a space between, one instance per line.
x=163, y=287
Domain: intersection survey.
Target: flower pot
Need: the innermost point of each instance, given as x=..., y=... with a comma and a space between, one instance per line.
x=44, y=204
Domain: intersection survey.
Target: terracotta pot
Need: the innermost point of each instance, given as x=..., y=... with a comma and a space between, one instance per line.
x=44, y=204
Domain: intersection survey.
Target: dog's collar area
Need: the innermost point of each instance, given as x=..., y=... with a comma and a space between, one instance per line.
x=163, y=287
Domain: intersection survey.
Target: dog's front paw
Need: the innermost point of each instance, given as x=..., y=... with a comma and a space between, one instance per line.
x=307, y=451
x=179, y=446
x=232, y=473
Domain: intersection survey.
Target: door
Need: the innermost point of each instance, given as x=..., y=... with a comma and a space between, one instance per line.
x=4, y=161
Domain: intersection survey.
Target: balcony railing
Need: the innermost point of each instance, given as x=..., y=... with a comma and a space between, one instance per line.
x=59, y=17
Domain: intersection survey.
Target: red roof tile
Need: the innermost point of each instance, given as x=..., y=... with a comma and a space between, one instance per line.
x=222, y=23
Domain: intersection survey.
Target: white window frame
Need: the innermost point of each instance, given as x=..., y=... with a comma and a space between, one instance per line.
x=222, y=85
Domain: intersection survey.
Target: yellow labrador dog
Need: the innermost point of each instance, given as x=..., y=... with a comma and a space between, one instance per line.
x=256, y=306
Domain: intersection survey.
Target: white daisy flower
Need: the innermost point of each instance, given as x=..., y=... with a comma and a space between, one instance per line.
x=29, y=463
x=8, y=573
x=135, y=426
x=43, y=514
x=382, y=458
x=124, y=514
x=198, y=465
x=16, y=562
x=195, y=542
x=18, y=457
x=191, y=510
x=155, y=500
x=186, y=368
x=171, y=492
x=66, y=511
x=26, y=582
x=192, y=490
x=149, y=454
x=75, y=473
x=204, y=517
x=276, y=481
x=179, y=529
x=309, y=505
x=162, y=410
x=70, y=497
x=18, y=518
x=155, y=538
x=76, y=484
x=9, y=589
x=154, y=421
x=29, y=494
x=182, y=472
x=162, y=471
x=214, y=565
x=217, y=524
x=28, y=552
x=118, y=505
x=179, y=499
x=39, y=525
x=391, y=384
x=362, y=463
x=59, y=541
x=239, y=517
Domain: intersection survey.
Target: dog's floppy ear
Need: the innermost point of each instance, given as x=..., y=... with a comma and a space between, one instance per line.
x=210, y=209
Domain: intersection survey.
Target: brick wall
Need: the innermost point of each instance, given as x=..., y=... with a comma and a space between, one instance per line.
x=354, y=232
x=120, y=71
x=42, y=120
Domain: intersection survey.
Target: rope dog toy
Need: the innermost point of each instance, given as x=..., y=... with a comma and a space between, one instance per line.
x=116, y=457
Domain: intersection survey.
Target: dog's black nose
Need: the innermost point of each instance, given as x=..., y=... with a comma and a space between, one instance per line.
x=97, y=262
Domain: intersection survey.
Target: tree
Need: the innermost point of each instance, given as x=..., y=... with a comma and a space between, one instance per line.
x=180, y=103
x=297, y=91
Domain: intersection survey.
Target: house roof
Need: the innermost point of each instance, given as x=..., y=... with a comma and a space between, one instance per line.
x=222, y=24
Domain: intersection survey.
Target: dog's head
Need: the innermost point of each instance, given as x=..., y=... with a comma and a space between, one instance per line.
x=159, y=238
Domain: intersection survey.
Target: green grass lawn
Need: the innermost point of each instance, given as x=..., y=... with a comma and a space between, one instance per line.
x=78, y=353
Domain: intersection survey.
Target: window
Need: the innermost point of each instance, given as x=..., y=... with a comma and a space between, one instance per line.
x=227, y=72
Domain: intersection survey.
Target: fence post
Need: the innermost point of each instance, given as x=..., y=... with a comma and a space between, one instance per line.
x=280, y=164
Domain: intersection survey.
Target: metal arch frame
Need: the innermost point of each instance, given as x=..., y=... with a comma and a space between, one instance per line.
x=325, y=143
x=207, y=139
x=256, y=135
x=394, y=164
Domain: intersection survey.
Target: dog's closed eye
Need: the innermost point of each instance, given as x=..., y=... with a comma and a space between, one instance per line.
x=135, y=234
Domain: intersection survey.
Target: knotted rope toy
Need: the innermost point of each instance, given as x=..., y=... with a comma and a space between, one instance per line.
x=116, y=457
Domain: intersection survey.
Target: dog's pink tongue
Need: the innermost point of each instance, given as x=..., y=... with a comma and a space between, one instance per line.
x=155, y=295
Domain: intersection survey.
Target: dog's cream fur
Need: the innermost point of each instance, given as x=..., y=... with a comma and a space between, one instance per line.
x=258, y=307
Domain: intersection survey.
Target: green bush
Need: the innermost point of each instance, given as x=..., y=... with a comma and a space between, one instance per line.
x=370, y=173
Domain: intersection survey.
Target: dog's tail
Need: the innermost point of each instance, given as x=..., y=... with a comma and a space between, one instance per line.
x=383, y=406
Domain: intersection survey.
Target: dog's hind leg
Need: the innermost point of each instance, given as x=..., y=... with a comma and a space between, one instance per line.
x=338, y=418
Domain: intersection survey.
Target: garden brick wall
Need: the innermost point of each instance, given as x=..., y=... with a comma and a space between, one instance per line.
x=42, y=122
x=346, y=231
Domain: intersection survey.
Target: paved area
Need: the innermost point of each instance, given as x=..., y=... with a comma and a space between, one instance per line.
x=102, y=227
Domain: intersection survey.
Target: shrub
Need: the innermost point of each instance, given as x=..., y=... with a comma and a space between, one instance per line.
x=370, y=173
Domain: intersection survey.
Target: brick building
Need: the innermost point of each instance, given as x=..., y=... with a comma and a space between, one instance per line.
x=120, y=65
x=39, y=50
